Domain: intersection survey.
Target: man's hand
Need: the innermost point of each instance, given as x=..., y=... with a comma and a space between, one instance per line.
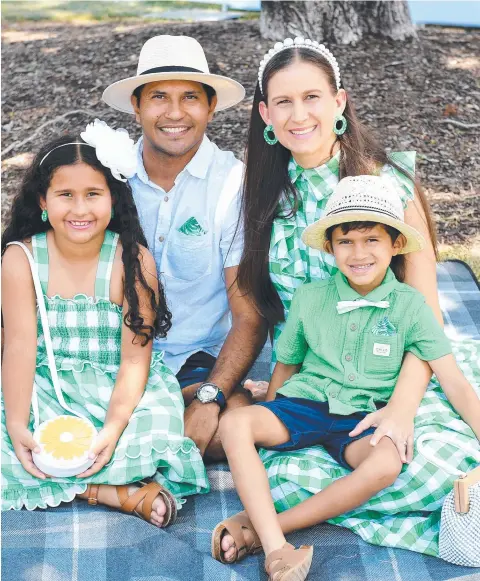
x=391, y=423
x=201, y=423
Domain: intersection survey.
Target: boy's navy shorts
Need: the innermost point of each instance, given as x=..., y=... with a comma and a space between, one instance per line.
x=310, y=423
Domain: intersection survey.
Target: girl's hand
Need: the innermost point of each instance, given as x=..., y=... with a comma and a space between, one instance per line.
x=393, y=424
x=103, y=449
x=23, y=444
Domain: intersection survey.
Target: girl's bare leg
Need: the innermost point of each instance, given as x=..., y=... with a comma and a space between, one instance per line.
x=376, y=468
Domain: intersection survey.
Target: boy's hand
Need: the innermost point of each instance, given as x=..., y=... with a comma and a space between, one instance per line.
x=23, y=444
x=393, y=424
x=258, y=389
x=103, y=449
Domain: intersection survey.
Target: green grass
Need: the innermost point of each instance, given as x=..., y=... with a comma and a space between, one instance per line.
x=469, y=253
x=80, y=10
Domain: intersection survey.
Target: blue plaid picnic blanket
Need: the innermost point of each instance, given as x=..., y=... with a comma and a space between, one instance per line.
x=77, y=542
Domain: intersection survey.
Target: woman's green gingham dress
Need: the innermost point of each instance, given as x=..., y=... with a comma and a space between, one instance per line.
x=407, y=514
x=86, y=337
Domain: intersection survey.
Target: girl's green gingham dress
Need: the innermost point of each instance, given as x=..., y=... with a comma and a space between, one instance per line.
x=407, y=514
x=86, y=337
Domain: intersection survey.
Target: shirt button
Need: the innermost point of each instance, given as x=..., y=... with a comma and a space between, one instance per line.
x=348, y=357
x=351, y=377
x=161, y=238
x=334, y=394
x=165, y=199
x=353, y=327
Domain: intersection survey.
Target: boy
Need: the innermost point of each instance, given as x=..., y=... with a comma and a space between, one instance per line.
x=339, y=357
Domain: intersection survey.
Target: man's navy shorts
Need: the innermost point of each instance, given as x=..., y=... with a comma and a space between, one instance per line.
x=196, y=369
x=310, y=423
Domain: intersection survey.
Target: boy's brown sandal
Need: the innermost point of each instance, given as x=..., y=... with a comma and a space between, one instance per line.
x=289, y=563
x=148, y=493
x=235, y=526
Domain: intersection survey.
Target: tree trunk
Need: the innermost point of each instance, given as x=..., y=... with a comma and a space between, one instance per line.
x=337, y=21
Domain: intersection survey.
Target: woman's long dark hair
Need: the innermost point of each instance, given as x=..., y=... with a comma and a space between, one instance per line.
x=267, y=181
x=25, y=221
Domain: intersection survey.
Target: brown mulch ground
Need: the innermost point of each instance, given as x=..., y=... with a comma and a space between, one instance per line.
x=409, y=93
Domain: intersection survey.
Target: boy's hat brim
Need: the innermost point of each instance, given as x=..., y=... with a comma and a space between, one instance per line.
x=314, y=235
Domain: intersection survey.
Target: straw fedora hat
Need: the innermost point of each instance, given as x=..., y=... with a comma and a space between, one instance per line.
x=364, y=199
x=165, y=58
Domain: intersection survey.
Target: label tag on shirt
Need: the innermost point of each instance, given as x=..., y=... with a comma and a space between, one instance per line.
x=381, y=349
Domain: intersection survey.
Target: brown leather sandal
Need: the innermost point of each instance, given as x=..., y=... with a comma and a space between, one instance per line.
x=289, y=563
x=148, y=493
x=235, y=526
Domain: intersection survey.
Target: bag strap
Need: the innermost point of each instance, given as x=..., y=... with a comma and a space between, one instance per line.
x=447, y=438
x=48, y=342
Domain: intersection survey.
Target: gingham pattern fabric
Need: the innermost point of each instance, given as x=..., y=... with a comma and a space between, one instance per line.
x=78, y=542
x=407, y=514
x=86, y=336
x=291, y=262
x=459, y=540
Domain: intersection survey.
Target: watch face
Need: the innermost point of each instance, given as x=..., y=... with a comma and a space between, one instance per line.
x=207, y=393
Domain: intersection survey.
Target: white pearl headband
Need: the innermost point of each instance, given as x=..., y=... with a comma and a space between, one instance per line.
x=300, y=42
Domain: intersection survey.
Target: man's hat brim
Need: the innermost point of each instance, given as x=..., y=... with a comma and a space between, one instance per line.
x=118, y=95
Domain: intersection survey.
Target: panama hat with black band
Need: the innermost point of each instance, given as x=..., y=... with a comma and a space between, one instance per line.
x=164, y=58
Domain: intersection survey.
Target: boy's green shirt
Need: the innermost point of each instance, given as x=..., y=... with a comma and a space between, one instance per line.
x=353, y=360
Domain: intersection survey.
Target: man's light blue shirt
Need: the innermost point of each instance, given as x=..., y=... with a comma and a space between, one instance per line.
x=193, y=233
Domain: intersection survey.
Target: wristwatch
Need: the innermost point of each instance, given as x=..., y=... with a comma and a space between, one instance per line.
x=208, y=393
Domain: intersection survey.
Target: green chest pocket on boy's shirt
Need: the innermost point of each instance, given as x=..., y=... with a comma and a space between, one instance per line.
x=382, y=350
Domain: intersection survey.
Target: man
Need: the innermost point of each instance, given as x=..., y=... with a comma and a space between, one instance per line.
x=187, y=194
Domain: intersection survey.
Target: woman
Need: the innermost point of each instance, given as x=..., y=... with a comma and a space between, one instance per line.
x=304, y=136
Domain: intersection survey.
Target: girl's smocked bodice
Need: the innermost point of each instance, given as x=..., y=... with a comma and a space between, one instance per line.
x=83, y=329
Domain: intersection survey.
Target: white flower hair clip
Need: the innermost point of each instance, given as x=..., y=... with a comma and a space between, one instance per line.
x=300, y=42
x=113, y=148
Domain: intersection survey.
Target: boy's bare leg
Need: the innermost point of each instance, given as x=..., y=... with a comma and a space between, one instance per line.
x=239, y=398
x=240, y=430
x=376, y=468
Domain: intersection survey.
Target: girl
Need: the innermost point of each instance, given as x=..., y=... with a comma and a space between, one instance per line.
x=339, y=357
x=304, y=136
x=104, y=305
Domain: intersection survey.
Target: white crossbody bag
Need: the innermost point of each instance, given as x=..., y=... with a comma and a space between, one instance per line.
x=459, y=540
x=65, y=440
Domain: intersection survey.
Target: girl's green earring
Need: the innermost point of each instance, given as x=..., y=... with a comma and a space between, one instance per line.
x=112, y=214
x=340, y=125
x=270, y=140
x=44, y=216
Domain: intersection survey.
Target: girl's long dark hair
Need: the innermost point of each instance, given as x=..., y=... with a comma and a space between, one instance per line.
x=267, y=181
x=25, y=221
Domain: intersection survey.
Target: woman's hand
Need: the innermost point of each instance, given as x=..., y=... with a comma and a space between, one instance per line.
x=23, y=444
x=103, y=449
x=394, y=424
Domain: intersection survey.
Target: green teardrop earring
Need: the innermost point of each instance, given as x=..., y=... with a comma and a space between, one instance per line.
x=44, y=216
x=270, y=140
x=112, y=214
x=340, y=125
